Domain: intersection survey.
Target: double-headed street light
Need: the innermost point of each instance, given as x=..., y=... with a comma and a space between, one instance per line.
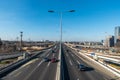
x=61, y=12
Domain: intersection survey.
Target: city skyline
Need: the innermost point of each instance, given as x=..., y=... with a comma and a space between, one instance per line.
x=89, y=23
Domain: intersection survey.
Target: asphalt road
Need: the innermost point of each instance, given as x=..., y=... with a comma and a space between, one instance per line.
x=94, y=72
x=36, y=69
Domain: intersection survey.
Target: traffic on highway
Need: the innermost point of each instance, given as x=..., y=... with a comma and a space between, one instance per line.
x=73, y=67
x=59, y=39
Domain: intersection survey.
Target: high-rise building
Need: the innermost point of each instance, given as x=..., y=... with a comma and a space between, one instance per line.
x=117, y=34
x=109, y=42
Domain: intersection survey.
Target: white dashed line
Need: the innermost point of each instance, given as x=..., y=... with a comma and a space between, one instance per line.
x=47, y=55
x=17, y=74
x=78, y=62
x=53, y=55
x=40, y=63
x=48, y=64
x=33, y=70
x=77, y=78
x=71, y=63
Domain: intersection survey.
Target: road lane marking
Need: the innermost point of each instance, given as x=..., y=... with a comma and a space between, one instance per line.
x=78, y=62
x=49, y=49
x=40, y=63
x=48, y=64
x=53, y=54
x=27, y=65
x=48, y=55
x=70, y=62
x=77, y=78
x=33, y=70
x=17, y=74
x=30, y=62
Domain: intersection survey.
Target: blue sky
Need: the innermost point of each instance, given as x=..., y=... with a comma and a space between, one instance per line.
x=90, y=21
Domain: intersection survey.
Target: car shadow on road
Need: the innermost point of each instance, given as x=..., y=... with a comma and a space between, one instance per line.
x=89, y=69
x=57, y=60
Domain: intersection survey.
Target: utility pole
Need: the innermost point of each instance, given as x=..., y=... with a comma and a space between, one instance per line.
x=21, y=35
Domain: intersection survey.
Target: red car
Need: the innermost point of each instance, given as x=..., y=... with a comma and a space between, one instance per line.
x=53, y=60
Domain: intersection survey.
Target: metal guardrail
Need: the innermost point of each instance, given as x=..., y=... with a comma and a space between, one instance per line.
x=9, y=56
x=111, y=60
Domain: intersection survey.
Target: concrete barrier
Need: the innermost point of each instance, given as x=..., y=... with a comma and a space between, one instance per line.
x=58, y=72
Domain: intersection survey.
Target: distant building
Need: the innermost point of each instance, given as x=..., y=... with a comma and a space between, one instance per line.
x=117, y=35
x=0, y=42
x=102, y=41
x=109, y=42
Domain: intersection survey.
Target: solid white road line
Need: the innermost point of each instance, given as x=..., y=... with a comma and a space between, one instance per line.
x=24, y=66
x=28, y=63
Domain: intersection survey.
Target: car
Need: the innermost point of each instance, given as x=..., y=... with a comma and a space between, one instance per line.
x=81, y=67
x=67, y=50
x=53, y=51
x=46, y=59
x=53, y=60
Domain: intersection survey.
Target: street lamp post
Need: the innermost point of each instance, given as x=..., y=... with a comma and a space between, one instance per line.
x=61, y=13
x=21, y=35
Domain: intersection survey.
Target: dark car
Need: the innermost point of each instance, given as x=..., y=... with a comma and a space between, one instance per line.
x=67, y=50
x=81, y=67
x=53, y=60
x=46, y=59
x=53, y=51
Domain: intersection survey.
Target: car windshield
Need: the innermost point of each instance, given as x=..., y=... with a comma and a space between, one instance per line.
x=59, y=39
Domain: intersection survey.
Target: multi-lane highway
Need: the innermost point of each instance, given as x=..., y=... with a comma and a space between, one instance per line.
x=93, y=72
x=37, y=69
